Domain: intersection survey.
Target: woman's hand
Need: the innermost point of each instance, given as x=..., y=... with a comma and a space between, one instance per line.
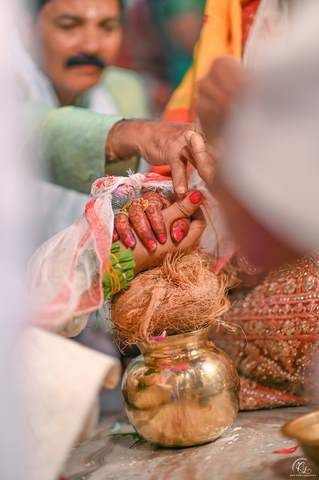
x=144, y=219
x=160, y=143
x=185, y=214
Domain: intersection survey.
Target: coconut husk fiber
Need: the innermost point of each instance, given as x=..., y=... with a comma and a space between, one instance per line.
x=182, y=295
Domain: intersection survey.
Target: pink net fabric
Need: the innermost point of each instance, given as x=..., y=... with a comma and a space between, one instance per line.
x=66, y=272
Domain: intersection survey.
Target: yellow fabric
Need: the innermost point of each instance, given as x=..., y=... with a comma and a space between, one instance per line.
x=221, y=35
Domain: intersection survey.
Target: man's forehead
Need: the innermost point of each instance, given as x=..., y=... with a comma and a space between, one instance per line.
x=82, y=8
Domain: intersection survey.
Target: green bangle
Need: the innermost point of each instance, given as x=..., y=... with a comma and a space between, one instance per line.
x=123, y=264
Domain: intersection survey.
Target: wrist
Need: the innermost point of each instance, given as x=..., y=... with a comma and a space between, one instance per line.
x=145, y=260
x=123, y=141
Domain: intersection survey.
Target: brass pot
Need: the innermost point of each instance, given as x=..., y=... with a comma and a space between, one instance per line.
x=305, y=430
x=182, y=391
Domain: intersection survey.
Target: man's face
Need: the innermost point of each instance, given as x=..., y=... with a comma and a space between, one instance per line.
x=77, y=39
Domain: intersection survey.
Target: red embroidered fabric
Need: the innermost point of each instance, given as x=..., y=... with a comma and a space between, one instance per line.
x=278, y=336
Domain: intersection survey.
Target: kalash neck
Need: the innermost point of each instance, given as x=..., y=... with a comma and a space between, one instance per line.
x=175, y=348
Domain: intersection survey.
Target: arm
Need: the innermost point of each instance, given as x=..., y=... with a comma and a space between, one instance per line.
x=74, y=144
x=71, y=143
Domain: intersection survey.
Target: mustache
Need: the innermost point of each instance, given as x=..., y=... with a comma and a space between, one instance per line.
x=83, y=59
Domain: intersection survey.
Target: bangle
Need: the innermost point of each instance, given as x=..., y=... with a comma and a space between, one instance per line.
x=120, y=272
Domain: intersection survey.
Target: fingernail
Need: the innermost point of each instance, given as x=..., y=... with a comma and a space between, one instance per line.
x=180, y=191
x=151, y=245
x=178, y=234
x=162, y=238
x=130, y=242
x=196, y=198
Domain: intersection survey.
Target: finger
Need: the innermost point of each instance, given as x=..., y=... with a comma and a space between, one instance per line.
x=156, y=220
x=179, y=176
x=180, y=229
x=115, y=236
x=156, y=203
x=184, y=208
x=124, y=231
x=196, y=230
x=142, y=226
x=202, y=159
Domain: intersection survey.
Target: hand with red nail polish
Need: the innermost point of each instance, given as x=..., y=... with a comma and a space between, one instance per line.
x=161, y=143
x=185, y=224
x=145, y=223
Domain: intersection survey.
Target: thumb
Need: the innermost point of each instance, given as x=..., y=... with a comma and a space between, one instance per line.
x=184, y=208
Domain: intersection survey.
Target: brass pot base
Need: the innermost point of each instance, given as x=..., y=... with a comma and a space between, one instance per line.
x=182, y=392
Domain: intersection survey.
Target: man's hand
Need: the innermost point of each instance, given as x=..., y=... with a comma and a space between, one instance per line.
x=160, y=143
x=177, y=144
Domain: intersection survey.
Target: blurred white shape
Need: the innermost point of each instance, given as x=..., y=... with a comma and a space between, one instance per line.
x=272, y=163
x=49, y=386
x=13, y=247
x=271, y=21
x=63, y=382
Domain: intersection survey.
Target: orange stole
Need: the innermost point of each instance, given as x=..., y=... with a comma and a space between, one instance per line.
x=225, y=27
